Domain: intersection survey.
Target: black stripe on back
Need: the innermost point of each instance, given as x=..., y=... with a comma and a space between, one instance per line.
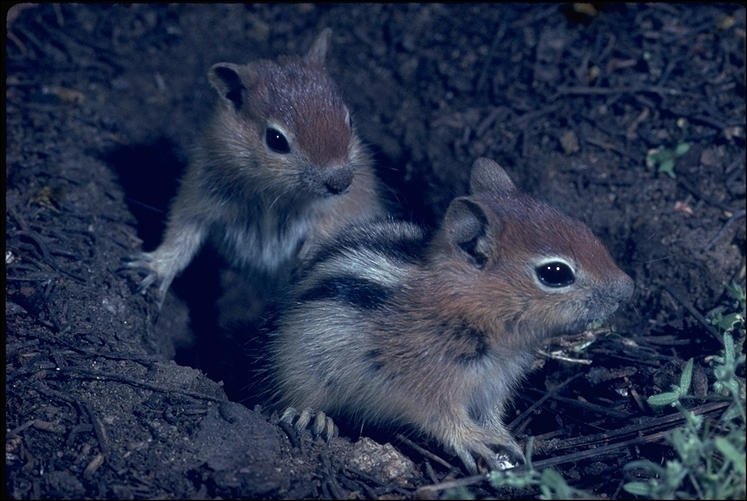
x=377, y=238
x=358, y=292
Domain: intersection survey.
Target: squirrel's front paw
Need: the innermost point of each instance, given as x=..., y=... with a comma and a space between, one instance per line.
x=142, y=262
x=319, y=423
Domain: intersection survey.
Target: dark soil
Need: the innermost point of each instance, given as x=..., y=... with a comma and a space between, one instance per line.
x=105, y=398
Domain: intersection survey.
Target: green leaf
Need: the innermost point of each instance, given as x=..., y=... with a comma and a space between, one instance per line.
x=667, y=167
x=730, y=414
x=460, y=492
x=638, y=488
x=663, y=399
x=731, y=453
x=728, y=322
x=728, y=349
x=645, y=464
x=681, y=149
x=686, y=378
x=736, y=291
x=554, y=480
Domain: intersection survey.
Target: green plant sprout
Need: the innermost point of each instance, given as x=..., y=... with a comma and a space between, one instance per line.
x=732, y=321
x=708, y=465
x=678, y=391
x=666, y=158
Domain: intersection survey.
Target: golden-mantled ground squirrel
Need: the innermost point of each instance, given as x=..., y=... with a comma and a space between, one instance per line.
x=281, y=167
x=388, y=326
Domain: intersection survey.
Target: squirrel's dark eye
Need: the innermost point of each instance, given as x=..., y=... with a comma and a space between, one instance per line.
x=555, y=274
x=276, y=141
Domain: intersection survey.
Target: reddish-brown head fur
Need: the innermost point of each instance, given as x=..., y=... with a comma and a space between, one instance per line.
x=297, y=96
x=488, y=252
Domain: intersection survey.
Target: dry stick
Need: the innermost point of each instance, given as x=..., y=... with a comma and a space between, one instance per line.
x=533, y=18
x=334, y=486
x=689, y=187
x=598, y=451
x=488, y=61
x=424, y=452
x=355, y=486
x=610, y=147
x=651, y=424
x=33, y=277
x=15, y=431
x=364, y=476
x=482, y=127
x=695, y=313
x=51, y=264
x=599, y=409
x=45, y=390
x=735, y=217
x=37, y=239
x=717, y=124
x=513, y=424
x=423, y=492
x=431, y=473
x=703, y=409
x=98, y=429
x=476, y=479
x=605, y=91
x=17, y=41
x=532, y=115
x=86, y=373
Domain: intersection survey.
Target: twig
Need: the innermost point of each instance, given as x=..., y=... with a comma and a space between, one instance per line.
x=334, y=486
x=98, y=429
x=606, y=91
x=37, y=239
x=670, y=421
x=488, y=121
x=34, y=277
x=695, y=313
x=50, y=263
x=533, y=18
x=86, y=373
x=526, y=117
x=493, y=48
x=423, y=492
x=513, y=424
x=363, y=475
x=608, y=146
x=735, y=217
x=709, y=121
x=430, y=472
x=654, y=437
x=594, y=408
x=689, y=187
x=424, y=452
x=546, y=463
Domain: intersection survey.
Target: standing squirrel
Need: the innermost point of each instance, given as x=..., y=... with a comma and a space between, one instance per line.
x=280, y=168
x=388, y=326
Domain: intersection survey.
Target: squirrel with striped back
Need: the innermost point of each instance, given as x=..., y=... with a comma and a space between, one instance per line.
x=281, y=167
x=392, y=327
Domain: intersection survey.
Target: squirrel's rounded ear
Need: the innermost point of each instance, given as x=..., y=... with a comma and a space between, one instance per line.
x=468, y=230
x=489, y=177
x=318, y=50
x=226, y=79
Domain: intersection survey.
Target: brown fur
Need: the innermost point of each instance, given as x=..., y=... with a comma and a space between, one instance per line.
x=262, y=207
x=439, y=339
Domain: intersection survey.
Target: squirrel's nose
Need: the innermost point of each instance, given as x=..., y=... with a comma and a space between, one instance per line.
x=338, y=180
